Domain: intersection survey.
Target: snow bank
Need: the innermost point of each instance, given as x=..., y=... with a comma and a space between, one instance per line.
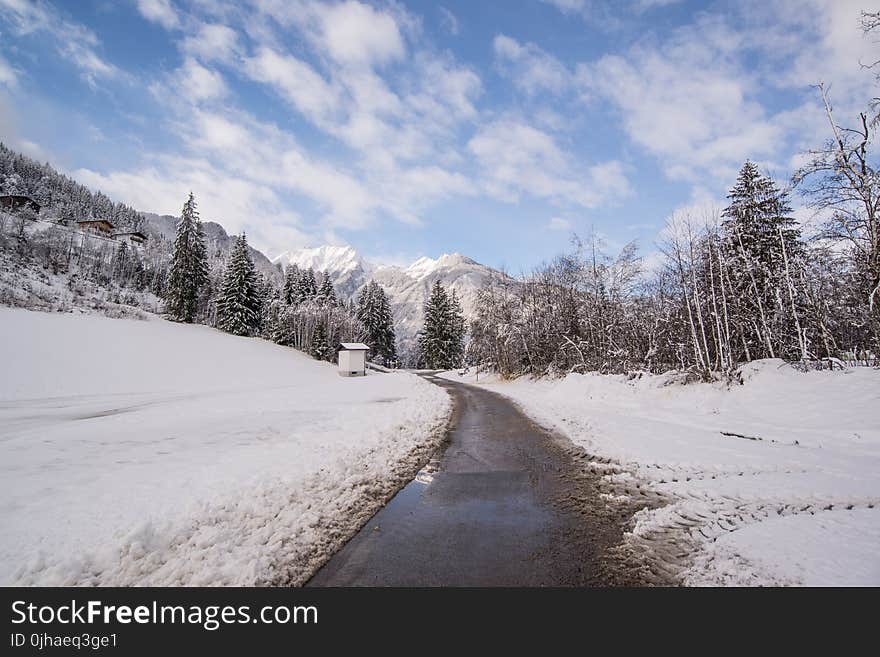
x=146, y=452
x=773, y=481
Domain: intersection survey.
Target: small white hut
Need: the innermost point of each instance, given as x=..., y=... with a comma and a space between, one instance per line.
x=353, y=359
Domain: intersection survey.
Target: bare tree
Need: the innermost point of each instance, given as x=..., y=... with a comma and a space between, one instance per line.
x=842, y=180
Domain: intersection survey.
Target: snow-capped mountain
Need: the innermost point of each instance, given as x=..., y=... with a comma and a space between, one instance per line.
x=346, y=267
x=407, y=287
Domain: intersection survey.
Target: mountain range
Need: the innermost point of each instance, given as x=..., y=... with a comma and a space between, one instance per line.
x=407, y=287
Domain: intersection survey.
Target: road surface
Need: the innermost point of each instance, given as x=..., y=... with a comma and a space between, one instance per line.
x=504, y=504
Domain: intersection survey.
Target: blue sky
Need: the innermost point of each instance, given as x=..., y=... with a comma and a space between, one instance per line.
x=495, y=129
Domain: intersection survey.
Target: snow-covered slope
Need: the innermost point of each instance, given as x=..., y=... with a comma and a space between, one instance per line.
x=776, y=481
x=147, y=452
x=407, y=287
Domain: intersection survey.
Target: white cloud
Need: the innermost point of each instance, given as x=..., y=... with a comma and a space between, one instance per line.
x=73, y=41
x=530, y=68
x=238, y=204
x=298, y=83
x=8, y=75
x=645, y=5
x=559, y=223
x=689, y=102
x=449, y=21
x=213, y=41
x=349, y=33
x=518, y=160
x=568, y=6
x=159, y=11
x=199, y=82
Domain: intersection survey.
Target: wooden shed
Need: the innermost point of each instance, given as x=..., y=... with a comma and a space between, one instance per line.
x=353, y=359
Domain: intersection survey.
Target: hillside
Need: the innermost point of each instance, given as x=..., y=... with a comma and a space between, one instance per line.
x=218, y=241
x=148, y=452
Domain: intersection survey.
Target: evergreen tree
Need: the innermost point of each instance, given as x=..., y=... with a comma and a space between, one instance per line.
x=761, y=245
x=239, y=303
x=459, y=330
x=441, y=339
x=189, y=265
x=320, y=343
x=326, y=294
x=374, y=313
x=308, y=287
x=290, y=292
x=121, y=263
x=757, y=215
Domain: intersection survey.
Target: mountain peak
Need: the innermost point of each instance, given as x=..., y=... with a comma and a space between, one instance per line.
x=425, y=266
x=337, y=259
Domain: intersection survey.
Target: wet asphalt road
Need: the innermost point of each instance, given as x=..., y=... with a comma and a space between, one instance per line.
x=484, y=512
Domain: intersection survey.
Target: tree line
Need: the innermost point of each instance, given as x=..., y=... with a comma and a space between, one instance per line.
x=731, y=287
x=302, y=313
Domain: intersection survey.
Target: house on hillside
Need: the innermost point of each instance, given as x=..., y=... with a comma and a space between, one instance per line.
x=134, y=237
x=98, y=226
x=14, y=202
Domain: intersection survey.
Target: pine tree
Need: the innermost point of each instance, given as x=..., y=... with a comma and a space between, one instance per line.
x=238, y=306
x=320, y=344
x=757, y=214
x=308, y=287
x=459, y=330
x=326, y=295
x=439, y=341
x=761, y=244
x=121, y=263
x=374, y=312
x=189, y=265
x=290, y=292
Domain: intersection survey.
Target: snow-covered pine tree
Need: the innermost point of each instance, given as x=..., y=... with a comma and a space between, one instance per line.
x=436, y=339
x=326, y=294
x=761, y=245
x=758, y=211
x=290, y=291
x=266, y=293
x=374, y=312
x=459, y=330
x=121, y=263
x=320, y=349
x=189, y=265
x=238, y=306
x=308, y=287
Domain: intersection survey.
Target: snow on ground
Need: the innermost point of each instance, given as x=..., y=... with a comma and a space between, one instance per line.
x=147, y=452
x=799, y=506
x=26, y=284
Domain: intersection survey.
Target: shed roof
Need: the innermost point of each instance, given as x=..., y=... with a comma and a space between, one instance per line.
x=354, y=346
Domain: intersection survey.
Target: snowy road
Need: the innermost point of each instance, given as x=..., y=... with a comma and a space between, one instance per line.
x=503, y=505
x=799, y=503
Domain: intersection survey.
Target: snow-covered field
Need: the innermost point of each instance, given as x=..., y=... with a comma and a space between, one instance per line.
x=146, y=452
x=798, y=506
